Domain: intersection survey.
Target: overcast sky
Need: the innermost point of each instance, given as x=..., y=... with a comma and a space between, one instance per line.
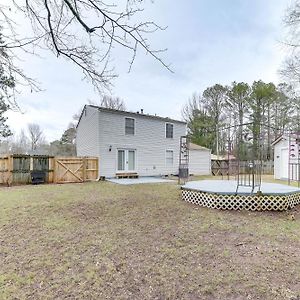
x=208, y=41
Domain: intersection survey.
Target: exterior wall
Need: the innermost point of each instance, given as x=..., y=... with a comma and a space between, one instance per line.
x=200, y=162
x=278, y=173
x=149, y=141
x=87, y=135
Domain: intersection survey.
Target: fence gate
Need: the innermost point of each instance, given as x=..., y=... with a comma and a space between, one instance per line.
x=69, y=169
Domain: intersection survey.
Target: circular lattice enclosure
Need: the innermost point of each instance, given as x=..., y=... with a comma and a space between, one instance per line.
x=280, y=201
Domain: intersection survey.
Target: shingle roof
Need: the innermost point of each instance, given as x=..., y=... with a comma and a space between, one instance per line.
x=193, y=146
x=222, y=157
x=281, y=137
x=166, y=119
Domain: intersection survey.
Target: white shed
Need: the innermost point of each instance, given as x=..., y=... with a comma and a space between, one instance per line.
x=281, y=158
x=200, y=160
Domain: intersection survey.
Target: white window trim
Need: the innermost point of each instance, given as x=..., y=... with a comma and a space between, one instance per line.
x=134, y=132
x=169, y=166
x=166, y=130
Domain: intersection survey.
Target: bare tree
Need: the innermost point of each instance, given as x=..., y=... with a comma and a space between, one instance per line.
x=20, y=143
x=83, y=32
x=107, y=102
x=193, y=104
x=291, y=66
x=77, y=115
x=35, y=135
x=113, y=103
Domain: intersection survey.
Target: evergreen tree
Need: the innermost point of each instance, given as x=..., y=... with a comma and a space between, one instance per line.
x=201, y=129
x=7, y=82
x=247, y=117
x=4, y=128
x=215, y=104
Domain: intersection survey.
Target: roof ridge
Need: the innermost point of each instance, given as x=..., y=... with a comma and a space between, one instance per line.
x=135, y=113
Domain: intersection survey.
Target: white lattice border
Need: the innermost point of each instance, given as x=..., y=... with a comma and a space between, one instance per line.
x=279, y=202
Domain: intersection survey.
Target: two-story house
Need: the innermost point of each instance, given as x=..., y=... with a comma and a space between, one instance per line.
x=128, y=142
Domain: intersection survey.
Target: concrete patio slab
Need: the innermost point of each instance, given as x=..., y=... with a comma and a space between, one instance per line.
x=141, y=180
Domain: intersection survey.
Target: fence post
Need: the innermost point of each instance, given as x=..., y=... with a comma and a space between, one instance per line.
x=51, y=169
x=84, y=169
x=10, y=170
x=54, y=170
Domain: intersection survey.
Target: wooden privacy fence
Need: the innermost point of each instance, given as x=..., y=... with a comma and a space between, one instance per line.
x=16, y=169
x=267, y=167
x=223, y=167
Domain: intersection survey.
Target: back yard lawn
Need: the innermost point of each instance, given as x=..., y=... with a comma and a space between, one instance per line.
x=107, y=241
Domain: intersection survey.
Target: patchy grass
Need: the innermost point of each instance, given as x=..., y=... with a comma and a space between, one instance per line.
x=106, y=241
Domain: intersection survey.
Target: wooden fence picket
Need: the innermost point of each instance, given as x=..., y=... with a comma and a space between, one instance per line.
x=15, y=169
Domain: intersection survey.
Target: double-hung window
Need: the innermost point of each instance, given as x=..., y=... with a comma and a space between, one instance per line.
x=169, y=130
x=129, y=126
x=169, y=158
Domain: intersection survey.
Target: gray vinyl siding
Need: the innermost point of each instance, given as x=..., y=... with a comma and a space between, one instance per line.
x=200, y=162
x=101, y=133
x=149, y=141
x=87, y=135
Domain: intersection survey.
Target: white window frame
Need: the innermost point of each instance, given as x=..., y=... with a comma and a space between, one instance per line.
x=168, y=123
x=134, y=128
x=169, y=165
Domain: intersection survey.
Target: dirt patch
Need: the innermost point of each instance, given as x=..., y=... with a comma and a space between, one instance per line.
x=105, y=241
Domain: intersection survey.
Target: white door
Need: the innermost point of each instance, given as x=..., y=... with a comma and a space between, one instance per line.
x=284, y=163
x=126, y=160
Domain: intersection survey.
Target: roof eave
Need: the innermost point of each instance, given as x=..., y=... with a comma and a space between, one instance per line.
x=166, y=119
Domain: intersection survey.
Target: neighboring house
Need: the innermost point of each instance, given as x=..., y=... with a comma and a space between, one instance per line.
x=281, y=157
x=200, y=160
x=128, y=142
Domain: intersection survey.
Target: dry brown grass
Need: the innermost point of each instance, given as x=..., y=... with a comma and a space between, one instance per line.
x=106, y=241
